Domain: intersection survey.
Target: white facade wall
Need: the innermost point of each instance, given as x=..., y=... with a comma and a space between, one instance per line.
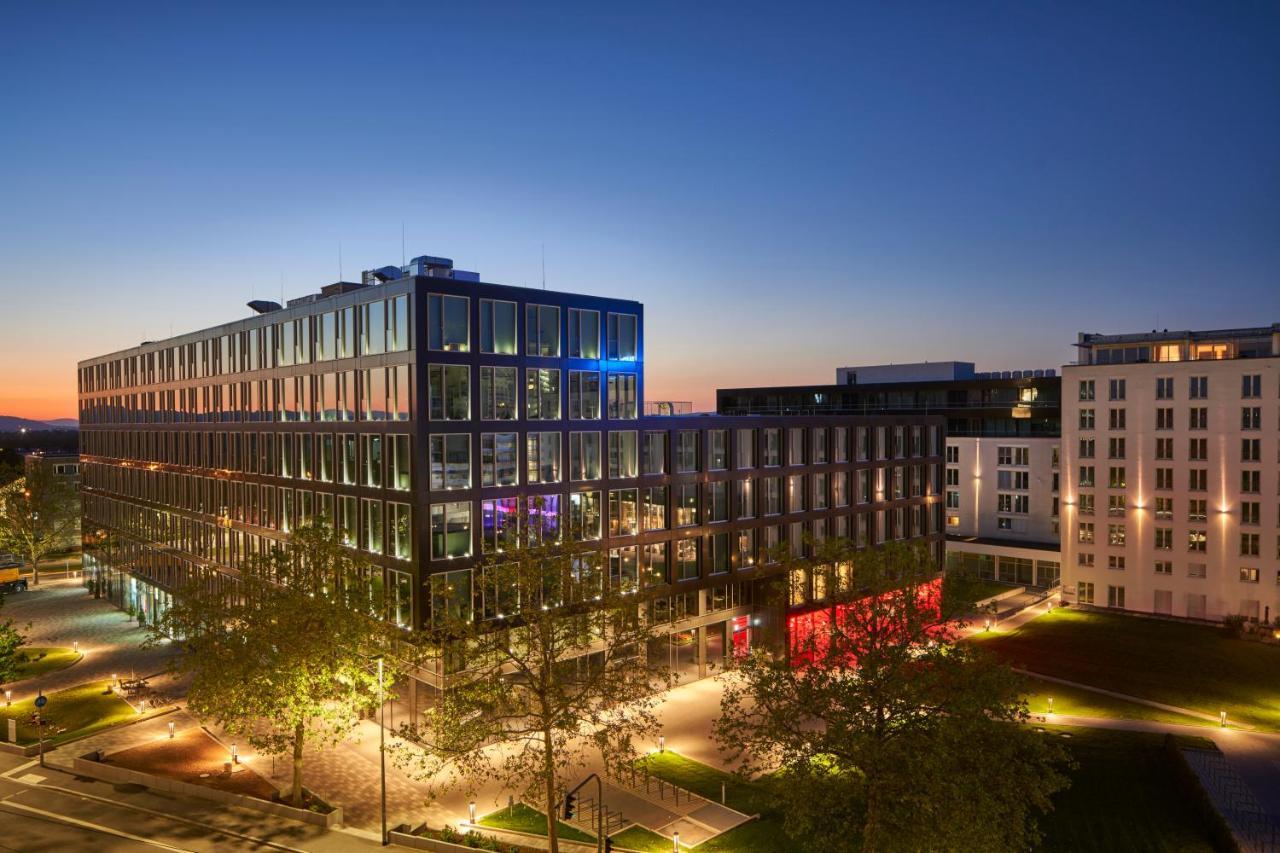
x=1002, y=501
x=1145, y=555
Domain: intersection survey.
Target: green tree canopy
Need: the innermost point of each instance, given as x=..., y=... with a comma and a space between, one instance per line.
x=286, y=656
x=548, y=661
x=886, y=733
x=37, y=514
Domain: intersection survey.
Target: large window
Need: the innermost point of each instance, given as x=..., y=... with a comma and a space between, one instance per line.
x=584, y=456
x=584, y=515
x=654, y=511
x=398, y=324
x=400, y=520
x=400, y=465
x=499, y=523
x=718, y=501
x=623, y=460
x=449, y=392
x=451, y=461
x=584, y=394
x=622, y=337
x=542, y=394
x=499, y=459
x=622, y=396
x=497, y=327
x=542, y=454
x=686, y=559
x=450, y=530
x=498, y=393
x=373, y=532
x=584, y=333
x=448, y=326
x=686, y=451
x=717, y=449
x=371, y=452
x=373, y=328
x=542, y=330
x=655, y=453
x=686, y=507
x=746, y=449
x=623, y=512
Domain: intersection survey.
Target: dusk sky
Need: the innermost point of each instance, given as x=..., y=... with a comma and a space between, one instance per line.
x=787, y=187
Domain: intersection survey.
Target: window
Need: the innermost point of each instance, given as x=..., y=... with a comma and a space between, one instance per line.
x=584, y=515
x=371, y=452
x=450, y=461
x=542, y=394
x=499, y=524
x=743, y=498
x=542, y=330
x=1086, y=419
x=1086, y=389
x=448, y=323
x=497, y=327
x=499, y=459
x=450, y=530
x=1117, y=418
x=655, y=453
x=623, y=340
x=622, y=396
x=400, y=520
x=1115, y=563
x=584, y=333
x=717, y=501
x=1250, y=512
x=1251, y=385
x=1115, y=596
x=953, y=454
x=584, y=456
x=686, y=506
x=1164, y=567
x=449, y=392
x=654, y=510
x=1164, y=508
x=746, y=449
x=1198, y=418
x=624, y=516
x=1251, y=482
x=373, y=328
x=1086, y=532
x=542, y=457
x=1197, y=509
x=1086, y=448
x=1116, y=477
x=1198, y=479
x=1164, y=539
x=1197, y=541
x=686, y=451
x=686, y=559
x=1250, y=450
x=498, y=393
x=717, y=449
x=584, y=394
x=373, y=533
x=746, y=541
x=1084, y=592
x=818, y=445
x=1115, y=534
x=1251, y=417
x=1164, y=388
x=1249, y=546
x=623, y=457
x=1198, y=388
x=1086, y=476
x=1164, y=418
x=773, y=447
x=1116, y=389
x=1115, y=448
x=1116, y=504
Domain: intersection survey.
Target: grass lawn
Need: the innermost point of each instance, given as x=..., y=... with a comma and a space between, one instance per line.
x=1122, y=797
x=522, y=818
x=758, y=836
x=1084, y=703
x=644, y=840
x=77, y=710
x=983, y=589
x=40, y=660
x=1177, y=663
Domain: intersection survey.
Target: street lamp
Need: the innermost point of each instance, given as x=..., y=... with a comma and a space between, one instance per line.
x=471, y=812
x=382, y=752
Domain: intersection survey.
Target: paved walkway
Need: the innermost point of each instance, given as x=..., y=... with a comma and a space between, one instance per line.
x=62, y=612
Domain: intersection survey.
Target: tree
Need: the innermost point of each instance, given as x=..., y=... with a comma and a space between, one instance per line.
x=549, y=656
x=287, y=658
x=887, y=733
x=11, y=639
x=37, y=514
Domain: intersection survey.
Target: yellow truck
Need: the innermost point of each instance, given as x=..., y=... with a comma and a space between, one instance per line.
x=11, y=580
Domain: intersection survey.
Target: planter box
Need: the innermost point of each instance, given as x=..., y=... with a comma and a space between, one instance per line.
x=91, y=765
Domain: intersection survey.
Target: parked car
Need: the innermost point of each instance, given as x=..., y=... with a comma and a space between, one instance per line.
x=11, y=579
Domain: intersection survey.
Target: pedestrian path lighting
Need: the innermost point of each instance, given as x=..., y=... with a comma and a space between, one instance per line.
x=471, y=812
x=675, y=842
x=75, y=646
x=1222, y=718
x=235, y=754
x=170, y=731
x=662, y=743
x=1050, y=704
x=8, y=698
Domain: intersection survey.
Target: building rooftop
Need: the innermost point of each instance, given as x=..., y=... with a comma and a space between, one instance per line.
x=1179, y=345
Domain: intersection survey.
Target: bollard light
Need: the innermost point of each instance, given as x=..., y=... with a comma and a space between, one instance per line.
x=471, y=811
x=235, y=754
x=1050, y=704
x=8, y=697
x=662, y=743
x=1222, y=718
x=987, y=625
x=114, y=680
x=675, y=842
x=75, y=646
x=170, y=731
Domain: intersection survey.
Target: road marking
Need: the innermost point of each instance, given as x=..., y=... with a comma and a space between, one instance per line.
x=84, y=824
x=30, y=779
x=8, y=774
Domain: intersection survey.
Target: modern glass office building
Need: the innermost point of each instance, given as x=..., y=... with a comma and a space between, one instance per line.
x=423, y=411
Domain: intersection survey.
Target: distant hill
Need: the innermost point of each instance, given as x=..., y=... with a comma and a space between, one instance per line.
x=9, y=423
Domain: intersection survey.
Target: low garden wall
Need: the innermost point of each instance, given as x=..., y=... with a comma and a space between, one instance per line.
x=91, y=765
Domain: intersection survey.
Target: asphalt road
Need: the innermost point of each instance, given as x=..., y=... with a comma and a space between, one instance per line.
x=43, y=809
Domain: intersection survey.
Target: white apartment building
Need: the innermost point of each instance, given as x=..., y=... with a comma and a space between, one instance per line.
x=1171, y=473
x=1002, y=505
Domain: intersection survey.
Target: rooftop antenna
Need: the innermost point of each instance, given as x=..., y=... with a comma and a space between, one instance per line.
x=544, y=266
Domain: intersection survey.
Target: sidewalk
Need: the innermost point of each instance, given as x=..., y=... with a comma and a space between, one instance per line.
x=61, y=613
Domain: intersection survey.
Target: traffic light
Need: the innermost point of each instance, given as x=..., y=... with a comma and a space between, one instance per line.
x=570, y=806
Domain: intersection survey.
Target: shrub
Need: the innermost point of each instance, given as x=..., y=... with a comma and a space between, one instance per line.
x=1233, y=625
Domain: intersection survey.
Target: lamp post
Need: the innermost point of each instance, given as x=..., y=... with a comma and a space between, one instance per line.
x=382, y=752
